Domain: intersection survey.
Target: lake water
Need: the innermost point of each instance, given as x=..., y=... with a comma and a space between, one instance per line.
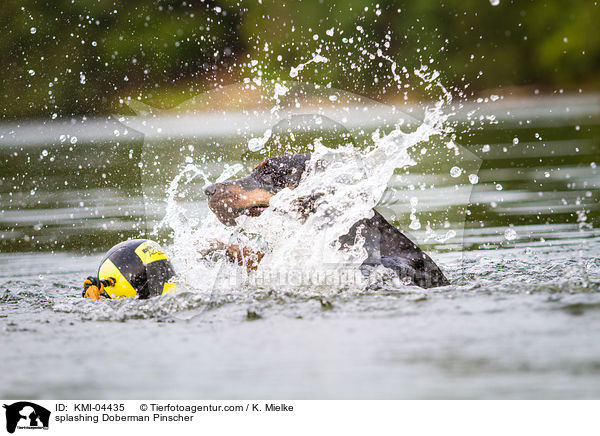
x=520, y=320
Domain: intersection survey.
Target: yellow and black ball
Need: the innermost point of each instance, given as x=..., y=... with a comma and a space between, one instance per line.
x=138, y=267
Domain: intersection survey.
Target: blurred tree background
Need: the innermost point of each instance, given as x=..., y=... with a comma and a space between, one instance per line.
x=73, y=57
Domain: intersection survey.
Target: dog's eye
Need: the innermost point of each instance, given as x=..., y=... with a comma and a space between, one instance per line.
x=266, y=174
x=274, y=178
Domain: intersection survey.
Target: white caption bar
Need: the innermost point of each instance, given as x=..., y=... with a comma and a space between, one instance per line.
x=300, y=417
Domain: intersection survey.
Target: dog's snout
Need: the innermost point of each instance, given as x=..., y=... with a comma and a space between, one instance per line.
x=210, y=190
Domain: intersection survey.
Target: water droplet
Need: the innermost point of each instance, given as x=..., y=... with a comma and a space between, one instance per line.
x=473, y=178
x=415, y=224
x=74, y=140
x=32, y=30
x=455, y=172
x=510, y=234
x=485, y=148
x=31, y=73
x=494, y=2
x=44, y=153
x=515, y=140
x=256, y=144
x=498, y=187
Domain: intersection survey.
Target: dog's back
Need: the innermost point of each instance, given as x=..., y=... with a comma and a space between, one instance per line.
x=387, y=246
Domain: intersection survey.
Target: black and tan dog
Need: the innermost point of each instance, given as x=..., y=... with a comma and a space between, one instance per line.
x=385, y=245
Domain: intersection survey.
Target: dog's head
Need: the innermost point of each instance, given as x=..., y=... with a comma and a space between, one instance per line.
x=250, y=195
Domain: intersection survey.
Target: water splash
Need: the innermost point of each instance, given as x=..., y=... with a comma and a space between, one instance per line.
x=316, y=58
x=344, y=184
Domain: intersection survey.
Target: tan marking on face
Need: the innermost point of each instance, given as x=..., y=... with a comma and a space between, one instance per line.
x=232, y=201
x=259, y=165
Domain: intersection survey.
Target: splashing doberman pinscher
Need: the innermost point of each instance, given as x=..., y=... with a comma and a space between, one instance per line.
x=250, y=195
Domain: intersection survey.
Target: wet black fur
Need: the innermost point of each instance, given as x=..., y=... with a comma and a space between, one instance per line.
x=385, y=244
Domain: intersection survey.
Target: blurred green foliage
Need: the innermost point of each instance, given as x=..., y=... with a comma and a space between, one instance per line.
x=72, y=57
